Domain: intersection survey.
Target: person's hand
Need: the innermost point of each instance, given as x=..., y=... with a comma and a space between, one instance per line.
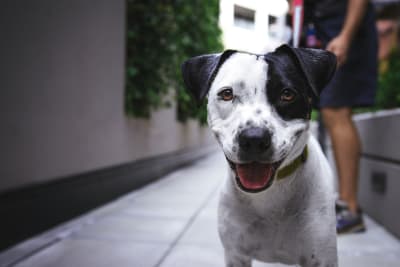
x=291, y=7
x=339, y=46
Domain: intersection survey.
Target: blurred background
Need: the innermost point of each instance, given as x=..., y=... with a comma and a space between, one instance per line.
x=93, y=106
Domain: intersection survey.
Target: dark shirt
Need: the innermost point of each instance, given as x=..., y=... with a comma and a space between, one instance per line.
x=321, y=9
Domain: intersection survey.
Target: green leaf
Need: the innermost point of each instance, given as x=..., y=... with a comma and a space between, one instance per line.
x=160, y=36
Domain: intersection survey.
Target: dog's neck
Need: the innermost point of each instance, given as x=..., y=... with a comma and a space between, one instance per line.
x=292, y=167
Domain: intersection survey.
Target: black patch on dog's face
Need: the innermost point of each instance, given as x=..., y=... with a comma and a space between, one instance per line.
x=283, y=74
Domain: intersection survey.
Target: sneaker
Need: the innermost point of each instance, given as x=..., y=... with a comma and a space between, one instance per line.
x=346, y=221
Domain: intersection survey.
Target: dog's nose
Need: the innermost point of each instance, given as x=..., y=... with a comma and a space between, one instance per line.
x=254, y=140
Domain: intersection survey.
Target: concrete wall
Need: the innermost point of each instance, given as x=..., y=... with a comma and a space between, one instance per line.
x=61, y=94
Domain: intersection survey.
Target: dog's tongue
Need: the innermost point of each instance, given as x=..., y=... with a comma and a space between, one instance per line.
x=254, y=176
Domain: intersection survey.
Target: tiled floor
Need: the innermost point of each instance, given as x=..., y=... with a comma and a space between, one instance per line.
x=170, y=223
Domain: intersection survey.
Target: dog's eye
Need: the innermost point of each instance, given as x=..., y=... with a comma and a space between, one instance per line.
x=288, y=95
x=226, y=94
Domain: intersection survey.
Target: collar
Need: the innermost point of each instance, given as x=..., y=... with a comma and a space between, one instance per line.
x=291, y=168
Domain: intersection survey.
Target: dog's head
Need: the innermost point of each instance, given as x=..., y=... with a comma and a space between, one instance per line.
x=259, y=105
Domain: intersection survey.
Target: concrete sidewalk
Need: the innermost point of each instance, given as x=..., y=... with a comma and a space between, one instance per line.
x=170, y=223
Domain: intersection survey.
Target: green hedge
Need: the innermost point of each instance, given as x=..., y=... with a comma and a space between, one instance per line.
x=388, y=94
x=160, y=36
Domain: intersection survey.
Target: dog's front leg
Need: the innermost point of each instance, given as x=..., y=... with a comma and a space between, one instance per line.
x=236, y=260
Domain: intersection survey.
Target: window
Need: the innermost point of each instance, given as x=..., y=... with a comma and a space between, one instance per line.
x=244, y=17
x=271, y=19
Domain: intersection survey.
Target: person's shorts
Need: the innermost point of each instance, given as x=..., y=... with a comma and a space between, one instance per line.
x=354, y=84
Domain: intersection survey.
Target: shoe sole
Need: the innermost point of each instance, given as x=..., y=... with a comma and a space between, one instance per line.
x=359, y=228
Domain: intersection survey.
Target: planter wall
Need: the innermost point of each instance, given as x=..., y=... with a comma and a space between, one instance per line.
x=379, y=184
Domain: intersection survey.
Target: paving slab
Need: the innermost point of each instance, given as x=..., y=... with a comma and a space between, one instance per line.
x=126, y=228
x=195, y=256
x=94, y=253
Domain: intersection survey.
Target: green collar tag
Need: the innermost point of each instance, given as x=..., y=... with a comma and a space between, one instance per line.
x=291, y=168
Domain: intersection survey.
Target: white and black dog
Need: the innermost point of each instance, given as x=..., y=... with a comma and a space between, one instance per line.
x=278, y=203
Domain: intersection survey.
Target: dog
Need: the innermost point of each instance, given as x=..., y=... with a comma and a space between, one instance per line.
x=278, y=203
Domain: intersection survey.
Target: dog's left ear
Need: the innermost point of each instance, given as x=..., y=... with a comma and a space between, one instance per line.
x=199, y=72
x=318, y=65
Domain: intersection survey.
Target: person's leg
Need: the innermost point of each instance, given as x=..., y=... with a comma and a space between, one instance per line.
x=346, y=148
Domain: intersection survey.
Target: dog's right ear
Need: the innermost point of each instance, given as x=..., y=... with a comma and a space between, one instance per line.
x=199, y=72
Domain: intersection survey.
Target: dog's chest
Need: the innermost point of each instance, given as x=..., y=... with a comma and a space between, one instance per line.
x=264, y=240
x=275, y=236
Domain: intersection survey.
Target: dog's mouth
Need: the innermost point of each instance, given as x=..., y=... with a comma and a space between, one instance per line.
x=255, y=176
